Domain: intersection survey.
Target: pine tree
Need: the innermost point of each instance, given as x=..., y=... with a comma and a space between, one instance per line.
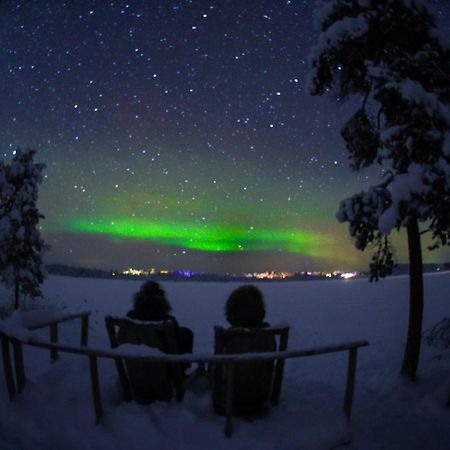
x=22, y=248
x=389, y=55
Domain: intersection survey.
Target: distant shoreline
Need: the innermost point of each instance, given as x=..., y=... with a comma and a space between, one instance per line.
x=85, y=272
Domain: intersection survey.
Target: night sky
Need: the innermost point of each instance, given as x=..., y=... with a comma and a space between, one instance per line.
x=179, y=134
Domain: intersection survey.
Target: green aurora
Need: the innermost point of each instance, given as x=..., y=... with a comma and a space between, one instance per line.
x=211, y=238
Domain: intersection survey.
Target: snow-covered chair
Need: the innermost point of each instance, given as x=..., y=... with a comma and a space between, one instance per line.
x=253, y=384
x=144, y=381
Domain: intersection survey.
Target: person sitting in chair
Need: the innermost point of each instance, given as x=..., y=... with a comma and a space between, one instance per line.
x=252, y=380
x=152, y=381
x=151, y=304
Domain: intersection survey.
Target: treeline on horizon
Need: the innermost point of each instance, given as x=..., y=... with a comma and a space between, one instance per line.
x=86, y=272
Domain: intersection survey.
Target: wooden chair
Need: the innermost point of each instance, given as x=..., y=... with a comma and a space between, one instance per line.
x=245, y=388
x=144, y=381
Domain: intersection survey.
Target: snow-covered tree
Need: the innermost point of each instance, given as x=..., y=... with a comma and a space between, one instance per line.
x=390, y=56
x=22, y=248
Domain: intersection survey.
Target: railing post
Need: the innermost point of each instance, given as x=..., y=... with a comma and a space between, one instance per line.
x=229, y=399
x=279, y=369
x=123, y=377
x=95, y=389
x=84, y=330
x=9, y=378
x=351, y=373
x=18, y=364
x=54, y=340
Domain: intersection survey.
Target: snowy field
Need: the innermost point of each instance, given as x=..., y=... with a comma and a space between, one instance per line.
x=55, y=410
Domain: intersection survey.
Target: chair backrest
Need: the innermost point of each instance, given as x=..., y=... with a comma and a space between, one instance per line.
x=160, y=334
x=254, y=383
x=148, y=381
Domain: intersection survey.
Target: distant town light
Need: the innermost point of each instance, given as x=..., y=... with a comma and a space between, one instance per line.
x=347, y=275
x=266, y=275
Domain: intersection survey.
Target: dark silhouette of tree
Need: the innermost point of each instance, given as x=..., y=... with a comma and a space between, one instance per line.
x=388, y=53
x=22, y=248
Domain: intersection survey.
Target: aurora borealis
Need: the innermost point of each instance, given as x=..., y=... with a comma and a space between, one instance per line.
x=210, y=239
x=179, y=134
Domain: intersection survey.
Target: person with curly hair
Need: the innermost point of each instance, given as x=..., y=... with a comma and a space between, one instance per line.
x=151, y=304
x=245, y=309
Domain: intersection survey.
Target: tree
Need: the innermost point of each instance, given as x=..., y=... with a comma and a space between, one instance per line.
x=389, y=57
x=22, y=248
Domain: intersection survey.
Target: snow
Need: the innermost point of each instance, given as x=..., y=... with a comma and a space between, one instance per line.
x=13, y=327
x=413, y=92
x=402, y=187
x=347, y=29
x=439, y=334
x=33, y=318
x=55, y=410
x=20, y=238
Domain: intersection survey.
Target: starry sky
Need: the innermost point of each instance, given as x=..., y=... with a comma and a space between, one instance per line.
x=179, y=134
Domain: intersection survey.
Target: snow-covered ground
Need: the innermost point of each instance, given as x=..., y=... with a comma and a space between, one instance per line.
x=55, y=410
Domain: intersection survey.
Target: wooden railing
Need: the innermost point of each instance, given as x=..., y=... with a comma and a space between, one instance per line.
x=53, y=327
x=17, y=343
x=230, y=360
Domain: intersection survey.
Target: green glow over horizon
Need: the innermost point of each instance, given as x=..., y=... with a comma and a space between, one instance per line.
x=206, y=238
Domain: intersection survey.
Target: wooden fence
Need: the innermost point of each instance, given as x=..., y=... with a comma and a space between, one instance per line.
x=231, y=361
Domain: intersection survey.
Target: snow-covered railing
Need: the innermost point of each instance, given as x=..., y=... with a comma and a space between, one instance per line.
x=31, y=321
x=151, y=354
x=52, y=323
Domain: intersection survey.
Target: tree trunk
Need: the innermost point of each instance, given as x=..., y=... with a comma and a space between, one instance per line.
x=16, y=294
x=412, y=350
